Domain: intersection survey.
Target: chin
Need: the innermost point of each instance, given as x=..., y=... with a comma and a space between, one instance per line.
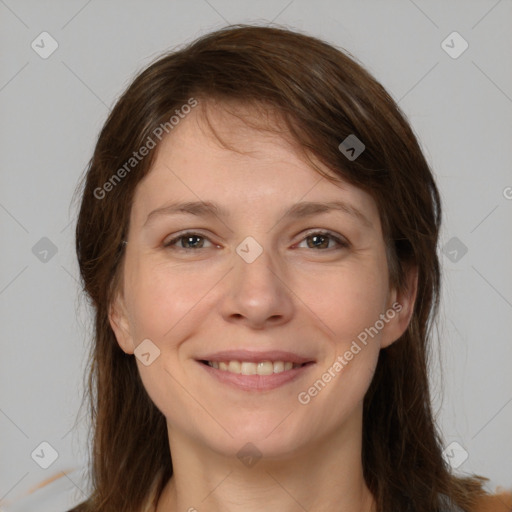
x=270, y=437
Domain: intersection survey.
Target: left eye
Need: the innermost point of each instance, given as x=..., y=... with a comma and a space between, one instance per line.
x=314, y=240
x=320, y=240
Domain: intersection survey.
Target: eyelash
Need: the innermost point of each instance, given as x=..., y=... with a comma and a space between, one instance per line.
x=169, y=245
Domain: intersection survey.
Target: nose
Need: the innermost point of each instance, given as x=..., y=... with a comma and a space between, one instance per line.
x=257, y=294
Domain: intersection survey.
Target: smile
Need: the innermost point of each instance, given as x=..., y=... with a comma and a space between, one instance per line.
x=248, y=370
x=253, y=368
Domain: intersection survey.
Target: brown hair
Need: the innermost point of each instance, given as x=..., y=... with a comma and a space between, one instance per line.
x=323, y=95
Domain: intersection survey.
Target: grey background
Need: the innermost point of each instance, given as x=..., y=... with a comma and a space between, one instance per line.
x=52, y=110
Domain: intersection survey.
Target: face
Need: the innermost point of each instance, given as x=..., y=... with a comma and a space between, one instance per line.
x=263, y=318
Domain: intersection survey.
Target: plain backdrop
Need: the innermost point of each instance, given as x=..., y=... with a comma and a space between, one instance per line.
x=459, y=104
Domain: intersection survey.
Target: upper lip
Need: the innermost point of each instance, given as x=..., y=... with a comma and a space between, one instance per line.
x=256, y=356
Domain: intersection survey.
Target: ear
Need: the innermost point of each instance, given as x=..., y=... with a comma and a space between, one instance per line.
x=118, y=318
x=400, y=308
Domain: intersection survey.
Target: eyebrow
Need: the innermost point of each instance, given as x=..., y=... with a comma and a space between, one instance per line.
x=296, y=211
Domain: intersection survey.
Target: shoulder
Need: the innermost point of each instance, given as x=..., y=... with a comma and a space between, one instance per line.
x=501, y=502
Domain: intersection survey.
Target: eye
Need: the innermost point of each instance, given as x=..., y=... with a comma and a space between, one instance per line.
x=321, y=239
x=187, y=241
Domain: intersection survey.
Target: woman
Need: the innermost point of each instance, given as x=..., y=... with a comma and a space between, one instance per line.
x=257, y=234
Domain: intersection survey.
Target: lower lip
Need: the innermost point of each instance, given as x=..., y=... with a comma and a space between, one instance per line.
x=256, y=382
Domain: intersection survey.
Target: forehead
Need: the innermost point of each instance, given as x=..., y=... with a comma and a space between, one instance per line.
x=255, y=164
x=236, y=133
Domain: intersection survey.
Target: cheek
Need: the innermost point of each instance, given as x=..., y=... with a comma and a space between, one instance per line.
x=360, y=299
x=162, y=301
x=347, y=301
x=161, y=306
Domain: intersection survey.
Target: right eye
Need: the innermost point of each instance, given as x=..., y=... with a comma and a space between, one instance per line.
x=187, y=241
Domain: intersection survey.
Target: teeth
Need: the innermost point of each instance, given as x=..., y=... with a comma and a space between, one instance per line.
x=234, y=367
x=252, y=368
x=278, y=367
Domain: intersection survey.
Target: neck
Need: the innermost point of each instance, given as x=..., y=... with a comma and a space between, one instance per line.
x=325, y=476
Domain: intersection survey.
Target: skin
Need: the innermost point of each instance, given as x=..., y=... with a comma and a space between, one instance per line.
x=294, y=297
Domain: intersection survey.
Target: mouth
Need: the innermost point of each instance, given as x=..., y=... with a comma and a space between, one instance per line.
x=252, y=371
x=254, y=368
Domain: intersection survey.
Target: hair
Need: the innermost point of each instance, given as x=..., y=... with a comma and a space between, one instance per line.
x=323, y=95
